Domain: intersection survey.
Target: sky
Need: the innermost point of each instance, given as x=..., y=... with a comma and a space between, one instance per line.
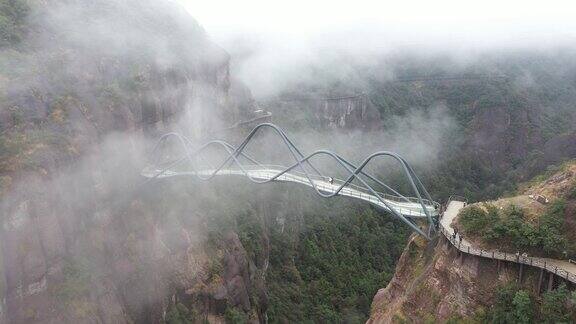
x=270, y=40
x=409, y=19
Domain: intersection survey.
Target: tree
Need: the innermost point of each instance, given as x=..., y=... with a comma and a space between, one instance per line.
x=523, y=310
x=554, y=306
x=503, y=310
x=180, y=314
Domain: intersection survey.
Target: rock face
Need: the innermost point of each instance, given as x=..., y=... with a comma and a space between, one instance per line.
x=559, y=148
x=332, y=112
x=346, y=112
x=505, y=137
x=432, y=283
x=77, y=244
x=501, y=136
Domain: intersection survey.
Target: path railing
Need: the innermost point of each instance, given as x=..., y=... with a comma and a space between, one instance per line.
x=497, y=255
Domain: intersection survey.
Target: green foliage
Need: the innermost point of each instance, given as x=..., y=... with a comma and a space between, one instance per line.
x=12, y=18
x=554, y=307
x=180, y=314
x=332, y=271
x=514, y=305
x=509, y=227
x=215, y=269
x=235, y=316
x=250, y=234
x=477, y=220
x=523, y=312
x=503, y=310
x=551, y=234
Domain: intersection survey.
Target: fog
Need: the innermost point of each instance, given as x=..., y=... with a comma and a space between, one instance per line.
x=89, y=90
x=273, y=45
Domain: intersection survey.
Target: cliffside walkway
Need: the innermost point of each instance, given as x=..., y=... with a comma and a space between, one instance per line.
x=557, y=267
x=302, y=171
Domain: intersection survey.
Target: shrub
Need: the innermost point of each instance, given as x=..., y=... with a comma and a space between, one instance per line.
x=514, y=305
x=235, y=316
x=523, y=311
x=473, y=219
x=550, y=231
x=515, y=228
x=180, y=314
x=503, y=309
x=554, y=306
x=476, y=220
x=510, y=226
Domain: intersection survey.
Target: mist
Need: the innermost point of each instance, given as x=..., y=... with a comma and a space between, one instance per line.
x=89, y=87
x=277, y=47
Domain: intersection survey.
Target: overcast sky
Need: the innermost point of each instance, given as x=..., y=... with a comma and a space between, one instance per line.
x=277, y=36
x=406, y=18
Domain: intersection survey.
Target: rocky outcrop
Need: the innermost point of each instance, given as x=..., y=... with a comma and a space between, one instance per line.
x=332, y=112
x=503, y=136
x=433, y=282
x=559, y=148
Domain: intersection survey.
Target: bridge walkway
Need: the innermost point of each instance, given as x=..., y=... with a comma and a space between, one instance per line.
x=562, y=268
x=411, y=208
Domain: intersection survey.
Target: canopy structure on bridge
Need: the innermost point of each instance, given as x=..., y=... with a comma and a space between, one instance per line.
x=302, y=171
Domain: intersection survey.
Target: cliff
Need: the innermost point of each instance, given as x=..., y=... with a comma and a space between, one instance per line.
x=431, y=283
x=434, y=282
x=338, y=111
x=84, y=87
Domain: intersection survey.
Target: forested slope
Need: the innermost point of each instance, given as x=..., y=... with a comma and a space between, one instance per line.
x=85, y=83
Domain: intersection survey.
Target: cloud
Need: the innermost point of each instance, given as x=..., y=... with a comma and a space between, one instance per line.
x=274, y=45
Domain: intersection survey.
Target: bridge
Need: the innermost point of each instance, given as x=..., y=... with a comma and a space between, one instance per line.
x=419, y=211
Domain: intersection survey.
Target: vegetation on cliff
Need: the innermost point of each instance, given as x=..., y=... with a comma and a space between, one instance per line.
x=511, y=115
x=510, y=228
x=300, y=259
x=515, y=305
x=523, y=224
x=326, y=258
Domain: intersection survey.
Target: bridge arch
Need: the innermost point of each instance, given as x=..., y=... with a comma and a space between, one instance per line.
x=404, y=208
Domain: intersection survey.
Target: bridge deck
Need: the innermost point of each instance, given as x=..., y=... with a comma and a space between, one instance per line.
x=410, y=208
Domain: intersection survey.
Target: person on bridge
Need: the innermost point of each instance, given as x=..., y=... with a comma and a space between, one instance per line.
x=331, y=180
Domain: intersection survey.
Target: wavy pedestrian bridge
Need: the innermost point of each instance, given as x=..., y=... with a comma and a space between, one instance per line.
x=418, y=210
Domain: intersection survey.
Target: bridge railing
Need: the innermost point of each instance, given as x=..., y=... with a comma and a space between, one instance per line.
x=517, y=258
x=357, y=191
x=336, y=181
x=237, y=157
x=350, y=190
